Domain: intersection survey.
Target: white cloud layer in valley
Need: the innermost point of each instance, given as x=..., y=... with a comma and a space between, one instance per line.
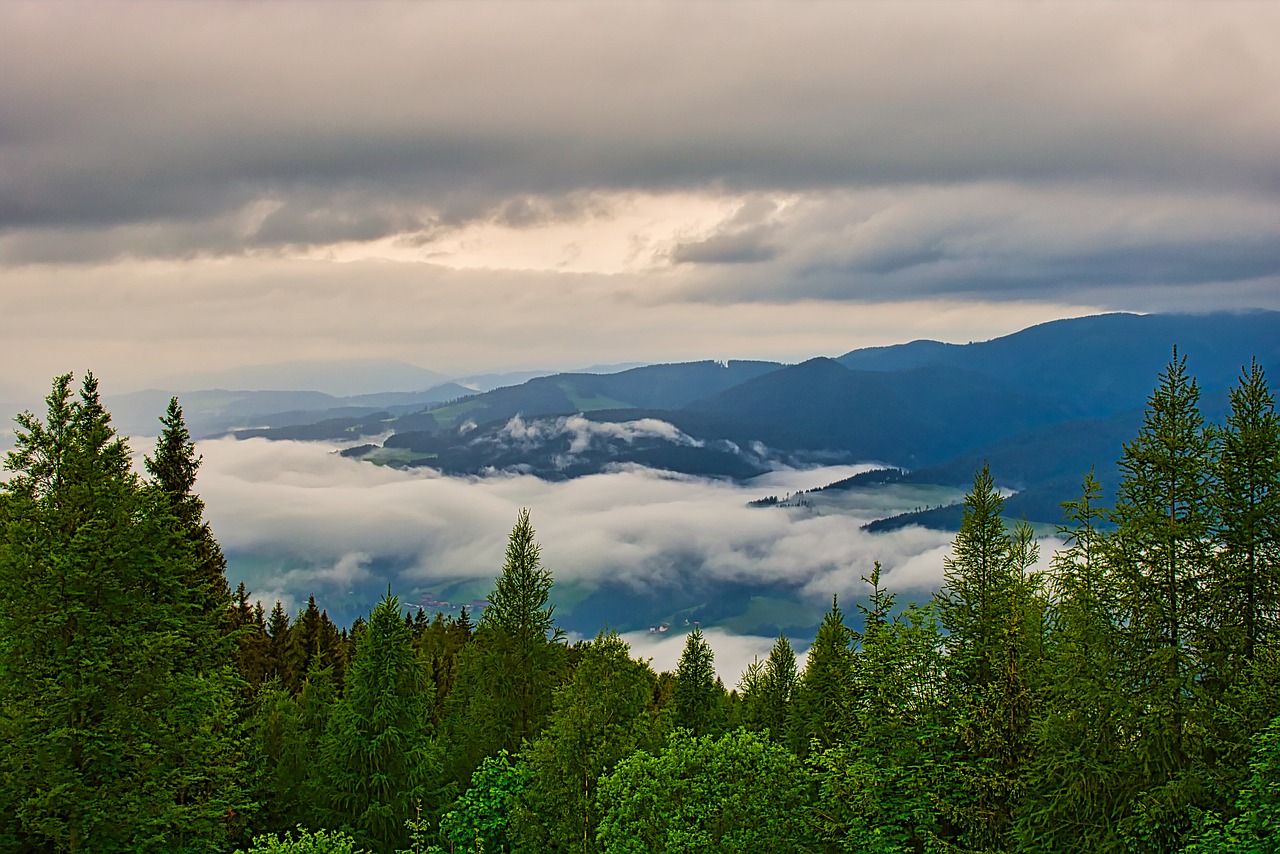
x=318, y=521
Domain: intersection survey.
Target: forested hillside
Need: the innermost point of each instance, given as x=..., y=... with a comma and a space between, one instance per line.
x=1125, y=700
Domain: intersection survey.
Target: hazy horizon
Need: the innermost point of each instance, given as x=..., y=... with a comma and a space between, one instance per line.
x=480, y=186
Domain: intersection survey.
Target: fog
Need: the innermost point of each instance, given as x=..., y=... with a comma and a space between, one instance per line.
x=298, y=519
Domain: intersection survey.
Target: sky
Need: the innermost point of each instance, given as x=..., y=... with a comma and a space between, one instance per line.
x=491, y=186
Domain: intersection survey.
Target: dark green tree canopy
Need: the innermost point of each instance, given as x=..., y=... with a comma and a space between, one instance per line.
x=518, y=604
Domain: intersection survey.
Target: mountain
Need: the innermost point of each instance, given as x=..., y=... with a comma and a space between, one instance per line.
x=1042, y=406
x=215, y=411
x=1100, y=364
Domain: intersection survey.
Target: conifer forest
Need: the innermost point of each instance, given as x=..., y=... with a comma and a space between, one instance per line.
x=1125, y=699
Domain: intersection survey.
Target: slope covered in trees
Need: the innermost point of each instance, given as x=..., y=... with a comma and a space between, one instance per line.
x=1122, y=698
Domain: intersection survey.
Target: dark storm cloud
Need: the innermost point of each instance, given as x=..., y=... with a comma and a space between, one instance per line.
x=126, y=112
x=740, y=247
x=864, y=139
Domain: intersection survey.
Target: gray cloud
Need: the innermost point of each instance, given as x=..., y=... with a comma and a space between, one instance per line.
x=226, y=183
x=125, y=114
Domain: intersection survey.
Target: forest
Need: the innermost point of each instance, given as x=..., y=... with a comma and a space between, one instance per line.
x=1124, y=699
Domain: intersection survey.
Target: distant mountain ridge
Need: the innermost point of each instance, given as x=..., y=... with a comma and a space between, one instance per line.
x=1043, y=405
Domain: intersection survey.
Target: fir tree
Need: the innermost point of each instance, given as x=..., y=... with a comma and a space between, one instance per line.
x=766, y=691
x=116, y=683
x=818, y=701
x=1247, y=501
x=502, y=694
x=1161, y=552
x=379, y=759
x=1082, y=783
x=695, y=696
x=993, y=612
x=173, y=471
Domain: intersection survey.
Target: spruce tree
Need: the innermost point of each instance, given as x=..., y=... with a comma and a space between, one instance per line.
x=116, y=683
x=502, y=694
x=766, y=691
x=695, y=697
x=173, y=471
x=820, y=695
x=1246, y=594
x=1161, y=553
x=1241, y=605
x=379, y=759
x=1081, y=783
x=993, y=611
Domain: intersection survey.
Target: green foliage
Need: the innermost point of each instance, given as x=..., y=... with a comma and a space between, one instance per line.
x=817, y=708
x=601, y=716
x=505, y=675
x=379, y=758
x=173, y=470
x=697, y=696
x=767, y=689
x=736, y=793
x=482, y=816
x=879, y=787
x=1160, y=554
x=518, y=604
x=1247, y=501
x=288, y=734
x=1081, y=783
x=993, y=611
x=116, y=682
x=1255, y=829
x=306, y=842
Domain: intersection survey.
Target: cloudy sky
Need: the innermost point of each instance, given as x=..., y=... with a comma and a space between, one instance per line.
x=477, y=186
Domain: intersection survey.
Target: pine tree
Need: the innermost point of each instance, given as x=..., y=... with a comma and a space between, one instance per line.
x=173, y=471
x=1161, y=552
x=379, y=759
x=820, y=695
x=695, y=697
x=1081, y=782
x=116, y=684
x=993, y=612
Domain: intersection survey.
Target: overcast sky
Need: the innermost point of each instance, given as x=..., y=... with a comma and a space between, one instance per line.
x=477, y=186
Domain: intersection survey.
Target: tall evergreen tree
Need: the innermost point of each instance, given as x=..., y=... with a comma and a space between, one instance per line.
x=696, y=698
x=880, y=784
x=993, y=611
x=519, y=604
x=1161, y=553
x=116, y=683
x=379, y=757
x=173, y=471
x=1246, y=594
x=502, y=695
x=1082, y=784
x=1241, y=604
x=820, y=695
x=766, y=691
